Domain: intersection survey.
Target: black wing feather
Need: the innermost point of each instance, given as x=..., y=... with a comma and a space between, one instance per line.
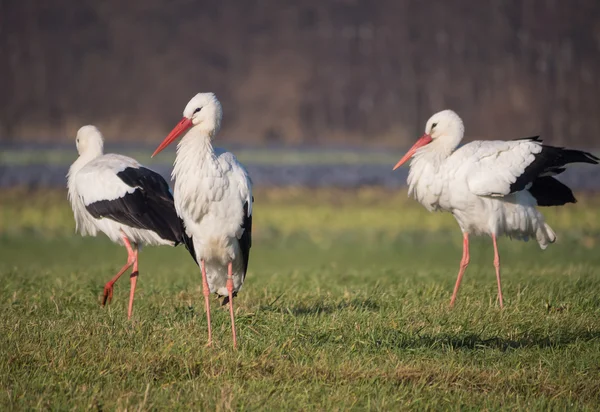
x=246, y=239
x=149, y=207
x=188, y=242
x=245, y=245
x=550, y=192
x=532, y=138
x=550, y=161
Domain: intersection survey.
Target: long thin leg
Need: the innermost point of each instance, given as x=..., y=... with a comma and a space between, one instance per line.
x=206, y=292
x=133, y=280
x=108, y=288
x=464, y=262
x=497, y=266
x=230, y=291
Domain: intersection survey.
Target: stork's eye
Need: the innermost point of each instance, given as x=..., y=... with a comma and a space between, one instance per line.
x=197, y=110
x=433, y=125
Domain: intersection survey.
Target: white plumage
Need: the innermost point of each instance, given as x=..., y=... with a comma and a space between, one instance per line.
x=213, y=197
x=491, y=187
x=474, y=184
x=116, y=195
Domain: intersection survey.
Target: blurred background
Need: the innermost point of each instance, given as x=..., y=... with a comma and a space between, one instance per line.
x=304, y=84
x=345, y=304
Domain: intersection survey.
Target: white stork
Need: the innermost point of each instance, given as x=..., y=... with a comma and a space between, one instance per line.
x=116, y=195
x=213, y=196
x=491, y=187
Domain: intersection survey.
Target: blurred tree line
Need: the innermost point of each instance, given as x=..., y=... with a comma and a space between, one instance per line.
x=311, y=71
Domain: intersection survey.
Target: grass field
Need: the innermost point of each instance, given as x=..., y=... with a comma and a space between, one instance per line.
x=345, y=307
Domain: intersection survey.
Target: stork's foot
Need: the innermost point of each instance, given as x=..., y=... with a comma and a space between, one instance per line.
x=131, y=259
x=108, y=293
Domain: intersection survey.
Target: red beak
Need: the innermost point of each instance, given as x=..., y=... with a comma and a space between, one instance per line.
x=423, y=140
x=177, y=131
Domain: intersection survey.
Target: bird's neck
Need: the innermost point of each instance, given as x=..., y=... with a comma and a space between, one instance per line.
x=429, y=159
x=423, y=182
x=439, y=149
x=83, y=159
x=77, y=165
x=195, y=154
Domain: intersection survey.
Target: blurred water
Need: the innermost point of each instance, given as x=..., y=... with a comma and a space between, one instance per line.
x=343, y=176
x=308, y=167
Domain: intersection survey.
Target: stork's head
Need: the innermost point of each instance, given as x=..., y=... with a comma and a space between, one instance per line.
x=89, y=140
x=202, y=113
x=444, y=128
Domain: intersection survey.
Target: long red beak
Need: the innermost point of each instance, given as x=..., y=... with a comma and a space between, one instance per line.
x=177, y=131
x=423, y=140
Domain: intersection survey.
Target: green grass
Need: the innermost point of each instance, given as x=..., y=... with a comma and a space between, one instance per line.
x=341, y=310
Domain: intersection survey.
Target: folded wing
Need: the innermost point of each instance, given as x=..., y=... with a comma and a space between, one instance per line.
x=131, y=195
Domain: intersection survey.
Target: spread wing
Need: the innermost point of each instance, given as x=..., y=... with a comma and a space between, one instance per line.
x=499, y=168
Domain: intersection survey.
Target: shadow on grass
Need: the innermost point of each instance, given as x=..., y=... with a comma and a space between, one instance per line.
x=323, y=307
x=184, y=313
x=399, y=340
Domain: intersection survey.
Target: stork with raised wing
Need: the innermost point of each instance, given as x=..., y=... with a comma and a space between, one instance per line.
x=213, y=196
x=491, y=187
x=116, y=195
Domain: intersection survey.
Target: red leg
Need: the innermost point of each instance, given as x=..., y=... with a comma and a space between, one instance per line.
x=108, y=288
x=206, y=292
x=133, y=280
x=464, y=262
x=497, y=266
x=230, y=291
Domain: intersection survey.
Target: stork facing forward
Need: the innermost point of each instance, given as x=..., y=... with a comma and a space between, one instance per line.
x=116, y=195
x=213, y=196
x=491, y=187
